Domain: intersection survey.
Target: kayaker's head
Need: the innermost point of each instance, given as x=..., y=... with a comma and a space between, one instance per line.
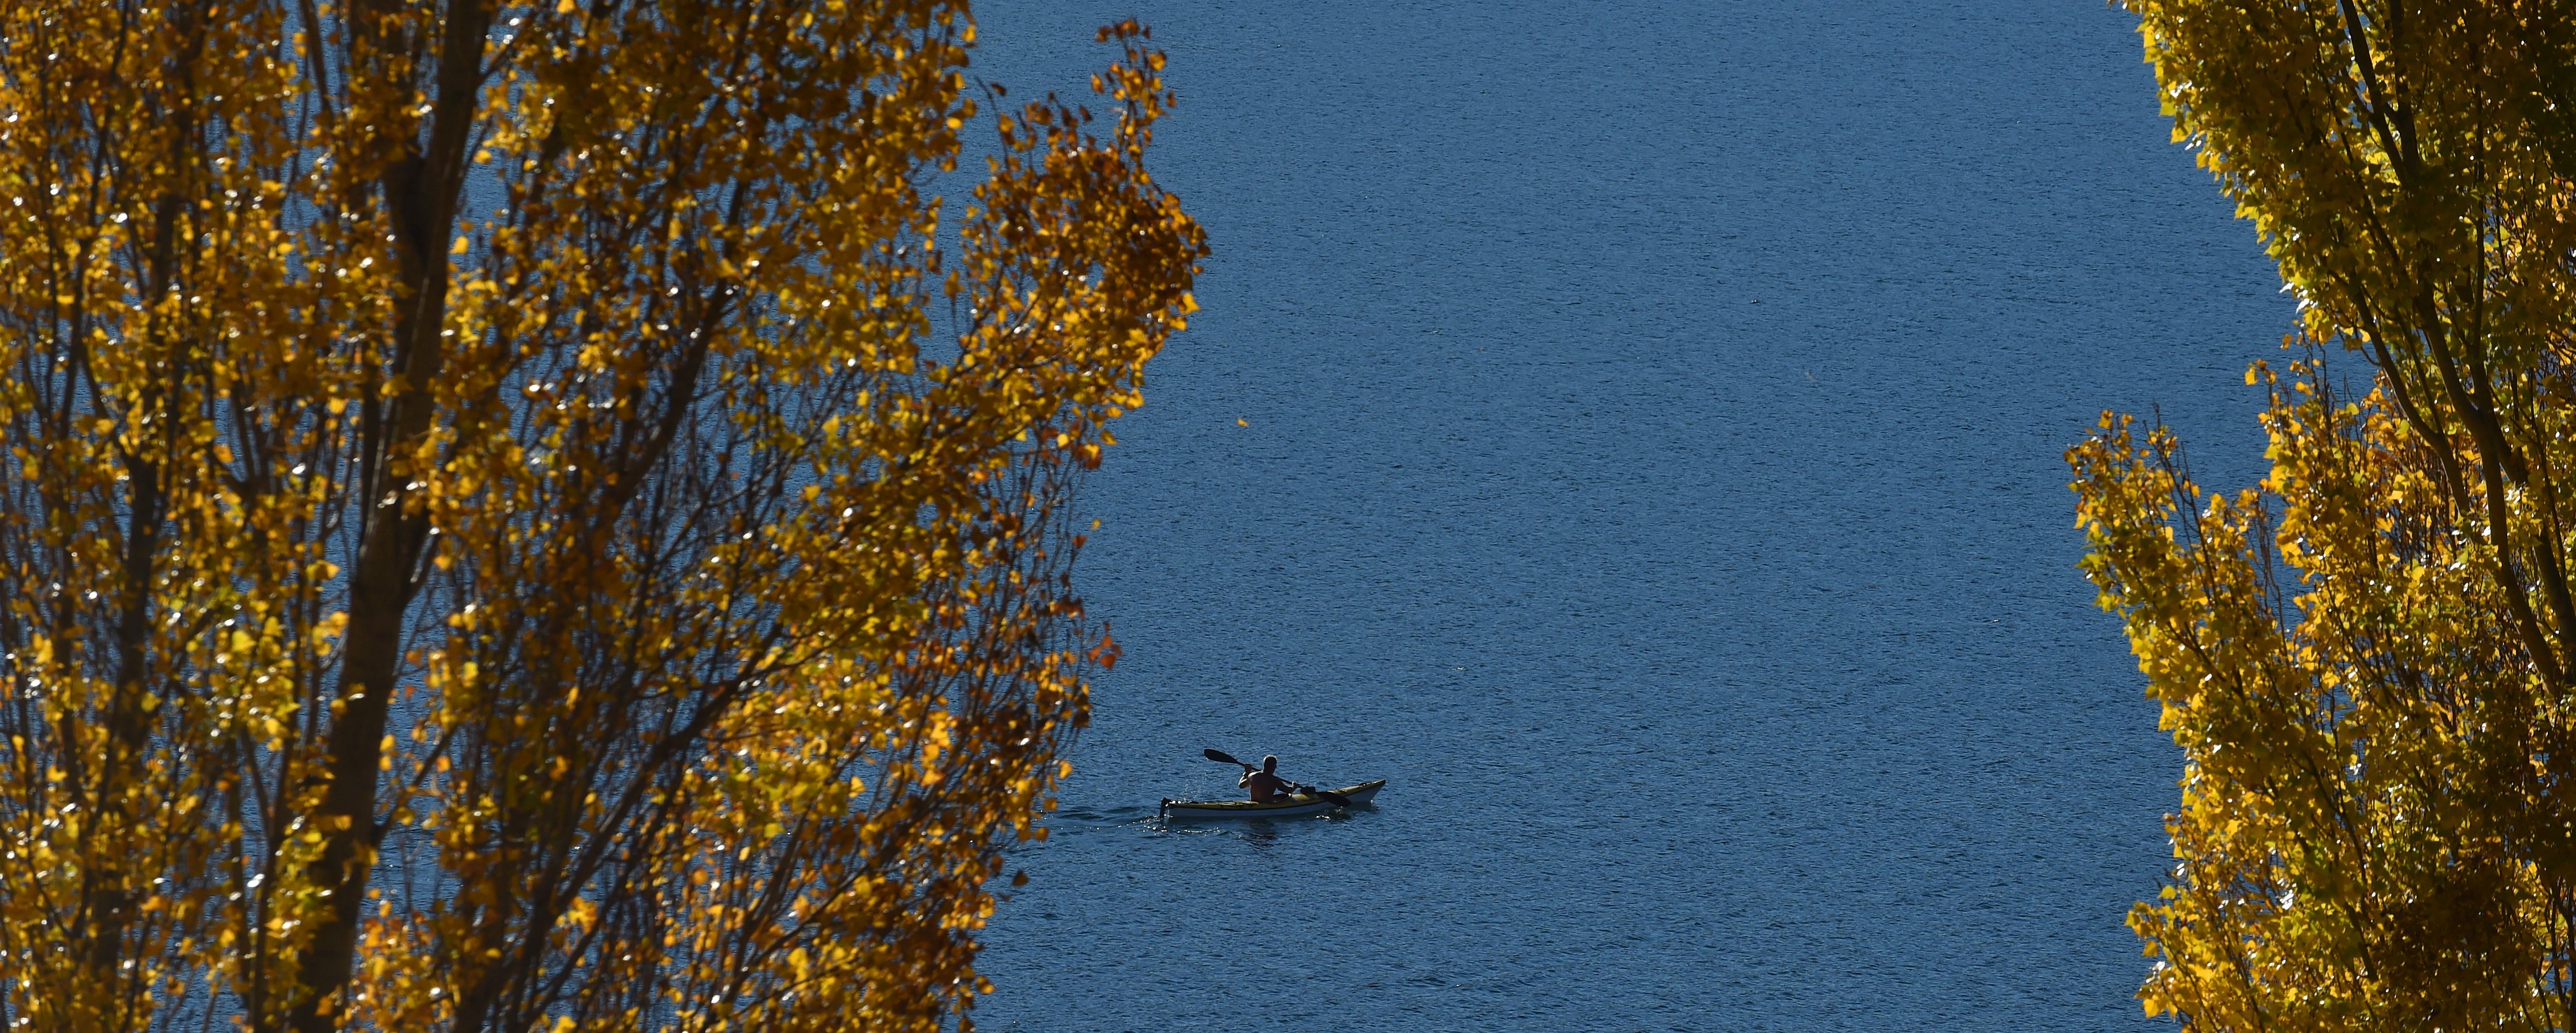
x=1270, y=765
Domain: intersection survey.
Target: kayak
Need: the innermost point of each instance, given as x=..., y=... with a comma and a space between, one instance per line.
x=1295, y=804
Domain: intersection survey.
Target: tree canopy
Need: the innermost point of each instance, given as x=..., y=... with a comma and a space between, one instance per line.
x=2367, y=658
x=523, y=516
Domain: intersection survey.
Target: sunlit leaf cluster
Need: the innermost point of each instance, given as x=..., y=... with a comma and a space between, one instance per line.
x=2366, y=659
x=524, y=517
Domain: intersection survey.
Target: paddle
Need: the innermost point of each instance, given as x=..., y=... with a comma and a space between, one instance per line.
x=1222, y=757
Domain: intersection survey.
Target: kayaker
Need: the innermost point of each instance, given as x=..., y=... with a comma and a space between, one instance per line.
x=1266, y=785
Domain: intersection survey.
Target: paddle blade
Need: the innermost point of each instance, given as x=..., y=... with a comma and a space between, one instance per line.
x=1221, y=757
x=1337, y=798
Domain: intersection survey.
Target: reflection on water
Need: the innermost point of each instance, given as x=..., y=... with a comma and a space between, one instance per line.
x=1260, y=832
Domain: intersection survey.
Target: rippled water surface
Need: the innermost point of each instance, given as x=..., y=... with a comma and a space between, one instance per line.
x=1652, y=467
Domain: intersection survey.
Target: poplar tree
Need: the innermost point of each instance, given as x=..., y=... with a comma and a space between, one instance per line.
x=523, y=517
x=2367, y=658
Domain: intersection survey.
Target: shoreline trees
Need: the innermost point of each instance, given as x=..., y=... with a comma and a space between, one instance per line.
x=482, y=544
x=2367, y=659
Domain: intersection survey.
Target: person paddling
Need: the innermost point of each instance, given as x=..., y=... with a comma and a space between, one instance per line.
x=1275, y=788
x=1266, y=785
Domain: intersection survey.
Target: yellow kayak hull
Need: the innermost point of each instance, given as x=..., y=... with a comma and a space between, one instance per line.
x=1294, y=805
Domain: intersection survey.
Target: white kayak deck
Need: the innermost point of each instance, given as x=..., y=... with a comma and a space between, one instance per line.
x=1294, y=805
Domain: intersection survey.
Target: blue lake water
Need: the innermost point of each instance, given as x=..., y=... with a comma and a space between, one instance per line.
x=1652, y=467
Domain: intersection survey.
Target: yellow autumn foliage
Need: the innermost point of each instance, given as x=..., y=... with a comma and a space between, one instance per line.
x=523, y=517
x=2366, y=658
